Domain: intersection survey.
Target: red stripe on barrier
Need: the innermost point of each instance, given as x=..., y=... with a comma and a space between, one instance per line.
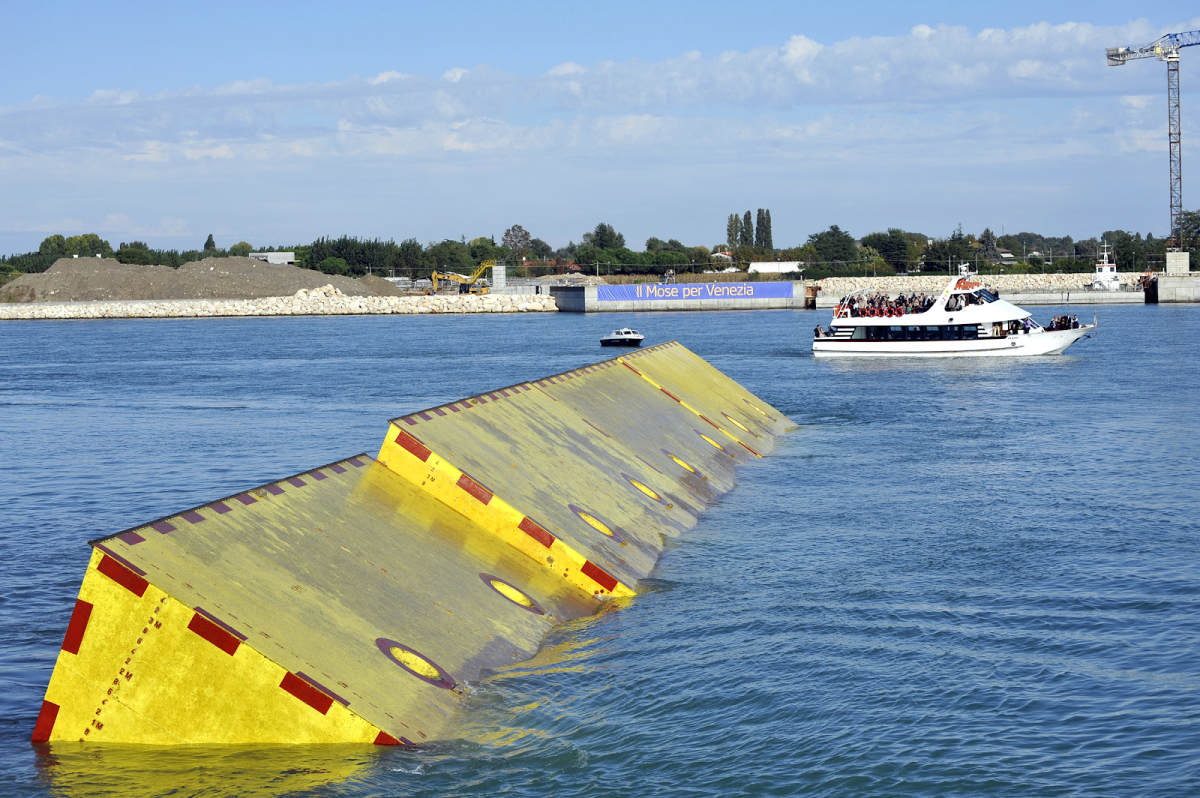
x=306, y=692
x=78, y=625
x=668, y=393
x=631, y=368
x=214, y=634
x=706, y=418
x=536, y=532
x=439, y=411
x=414, y=446
x=383, y=738
x=598, y=575
x=192, y=517
x=475, y=489
x=45, y=723
x=409, y=421
x=747, y=448
x=132, y=538
x=122, y=576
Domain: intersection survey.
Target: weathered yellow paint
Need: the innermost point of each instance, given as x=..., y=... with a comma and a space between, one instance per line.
x=376, y=589
x=440, y=479
x=142, y=677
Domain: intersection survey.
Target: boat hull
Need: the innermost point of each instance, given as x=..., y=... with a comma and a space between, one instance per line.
x=628, y=343
x=1041, y=343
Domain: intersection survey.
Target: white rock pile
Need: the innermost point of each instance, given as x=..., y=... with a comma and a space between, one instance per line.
x=931, y=284
x=325, y=301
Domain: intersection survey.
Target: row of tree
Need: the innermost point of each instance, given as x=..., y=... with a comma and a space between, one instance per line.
x=604, y=249
x=741, y=232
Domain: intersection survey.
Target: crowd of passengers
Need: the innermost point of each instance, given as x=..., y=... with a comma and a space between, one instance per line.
x=1064, y=323
x=859, y=304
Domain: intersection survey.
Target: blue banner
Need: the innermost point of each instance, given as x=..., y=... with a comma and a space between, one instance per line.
x=663, y=292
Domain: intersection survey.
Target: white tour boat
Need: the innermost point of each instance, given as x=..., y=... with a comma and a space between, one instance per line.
x=966, y=320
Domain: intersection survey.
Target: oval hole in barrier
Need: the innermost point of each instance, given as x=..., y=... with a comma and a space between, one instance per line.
x=511, y=593
x=415, y=663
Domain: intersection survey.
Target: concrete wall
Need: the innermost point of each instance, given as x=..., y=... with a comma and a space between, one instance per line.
x=584, y=299
x=1179, y=288
x=1178, y=262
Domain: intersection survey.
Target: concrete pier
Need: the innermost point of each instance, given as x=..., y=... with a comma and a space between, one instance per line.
x=777, y=295
x=1173, y=288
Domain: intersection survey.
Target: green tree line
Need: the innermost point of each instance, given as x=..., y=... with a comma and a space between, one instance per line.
x=747, y=240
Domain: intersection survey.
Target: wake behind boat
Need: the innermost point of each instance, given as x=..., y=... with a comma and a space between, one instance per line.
x=965, y=320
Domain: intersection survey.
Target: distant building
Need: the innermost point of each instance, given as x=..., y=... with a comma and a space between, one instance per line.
x=288, y=258
x=777, y=267
x=1003, y=256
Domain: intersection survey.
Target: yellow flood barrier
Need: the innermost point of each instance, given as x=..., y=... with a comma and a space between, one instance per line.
x=354, y=602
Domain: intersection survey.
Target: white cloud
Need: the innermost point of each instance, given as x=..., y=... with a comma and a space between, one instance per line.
x=113, y=97
x=935, y=104
x=384, y=77
x=567, y=68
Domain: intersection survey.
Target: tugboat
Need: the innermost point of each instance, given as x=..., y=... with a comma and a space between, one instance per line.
x=623, y=337
x=965, y=320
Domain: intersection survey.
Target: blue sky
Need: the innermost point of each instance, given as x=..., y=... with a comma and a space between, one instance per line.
x=277, y=123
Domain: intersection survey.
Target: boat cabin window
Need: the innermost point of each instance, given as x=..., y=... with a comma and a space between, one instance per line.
x=987, y=296
x=945, y=332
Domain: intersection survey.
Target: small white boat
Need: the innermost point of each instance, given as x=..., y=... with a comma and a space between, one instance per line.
x=965, y=320
x=623, y=337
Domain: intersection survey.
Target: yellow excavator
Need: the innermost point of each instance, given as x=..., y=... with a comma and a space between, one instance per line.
x=466, y=285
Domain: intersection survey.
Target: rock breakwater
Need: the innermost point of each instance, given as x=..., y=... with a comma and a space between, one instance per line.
x=324, y=301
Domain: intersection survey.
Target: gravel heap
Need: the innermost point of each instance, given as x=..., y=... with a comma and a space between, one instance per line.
x=324, y=301
x=933, y=284
x=106, y=279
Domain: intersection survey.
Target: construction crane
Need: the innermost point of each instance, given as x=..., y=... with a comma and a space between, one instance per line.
x=1165, y=48
x=466, y=284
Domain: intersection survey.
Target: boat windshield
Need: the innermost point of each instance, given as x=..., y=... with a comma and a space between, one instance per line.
x=987, y=296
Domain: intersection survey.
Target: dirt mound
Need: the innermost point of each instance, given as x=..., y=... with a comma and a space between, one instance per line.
x=379, y=286
x=86, y=279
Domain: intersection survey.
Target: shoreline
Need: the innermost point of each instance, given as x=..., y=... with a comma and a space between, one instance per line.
x=327, y=301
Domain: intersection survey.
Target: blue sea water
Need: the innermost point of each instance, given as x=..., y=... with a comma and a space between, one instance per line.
x=972, y=577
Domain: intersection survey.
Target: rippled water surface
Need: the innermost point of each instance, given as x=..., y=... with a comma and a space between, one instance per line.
x=955, y=578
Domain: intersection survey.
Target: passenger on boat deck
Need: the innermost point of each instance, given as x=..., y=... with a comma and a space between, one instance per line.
x=818, y=332
x=1075, y=322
